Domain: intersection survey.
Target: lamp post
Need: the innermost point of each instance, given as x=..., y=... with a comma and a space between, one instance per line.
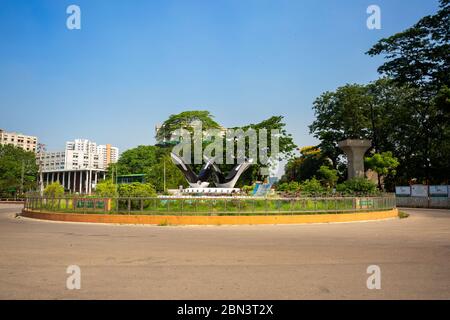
x=164, y=175
x=41, y=150
x=22, y=173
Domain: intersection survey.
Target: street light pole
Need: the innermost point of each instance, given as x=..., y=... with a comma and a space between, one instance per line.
x=22, y=176
x=115, y=182
x=41, y=151
x=164, y=175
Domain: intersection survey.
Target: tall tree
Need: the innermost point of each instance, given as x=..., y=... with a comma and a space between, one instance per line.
x=383, y=164
x=136, y=160
x=398, y=125
x=342, y=114
x=286, y=146
x=151, y=161
x=166, y=170
x=419, y=57
x=306, y=166
x=18, y=170
x=185, y=120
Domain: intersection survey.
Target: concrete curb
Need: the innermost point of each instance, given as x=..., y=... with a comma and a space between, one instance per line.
x=210, y=220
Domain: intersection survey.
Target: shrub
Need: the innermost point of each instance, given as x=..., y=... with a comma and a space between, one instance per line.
x=328, y=177
x=282, y=186
x=311, y=186
x=54, y=190
x=357, y=185
x=137, y=189
x=383, y=164
x=106, y=188
x=248, y=189
x=290, y=187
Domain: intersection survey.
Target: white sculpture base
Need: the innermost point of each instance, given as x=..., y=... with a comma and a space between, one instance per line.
x=211, y=190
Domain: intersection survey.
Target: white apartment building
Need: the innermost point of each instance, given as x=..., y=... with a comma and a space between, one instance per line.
x=27, y=143
x=108, y=154
x=79, y=167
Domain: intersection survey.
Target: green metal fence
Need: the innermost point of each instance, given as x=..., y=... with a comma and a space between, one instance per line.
x=211, y=205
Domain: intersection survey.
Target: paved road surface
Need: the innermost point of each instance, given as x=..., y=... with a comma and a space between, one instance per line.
x=321, y=261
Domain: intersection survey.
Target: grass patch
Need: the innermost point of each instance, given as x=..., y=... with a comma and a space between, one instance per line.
x=163, y=224
x=403, y=215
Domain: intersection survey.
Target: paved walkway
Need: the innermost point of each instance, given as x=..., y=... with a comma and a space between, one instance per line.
x=322, y=261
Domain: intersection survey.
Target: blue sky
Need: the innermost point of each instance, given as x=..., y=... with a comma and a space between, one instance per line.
x=133, y=63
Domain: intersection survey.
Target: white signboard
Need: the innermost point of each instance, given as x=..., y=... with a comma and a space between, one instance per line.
x=439, y=191
x=403, y=191
x=419, y=190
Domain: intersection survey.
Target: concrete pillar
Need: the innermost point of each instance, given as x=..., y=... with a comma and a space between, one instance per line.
x=355, y=150
x=74, y=181
x=86, y=183
x=68, y=181
x=81, y=181
x=89, y=181
x=64, y=179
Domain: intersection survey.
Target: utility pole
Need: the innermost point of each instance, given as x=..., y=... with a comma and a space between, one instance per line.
x=40, y=151
x=22, y=176
x=164, y=175
x=115, y=182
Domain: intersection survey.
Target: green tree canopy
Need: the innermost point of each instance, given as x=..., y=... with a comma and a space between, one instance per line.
x=327, y=176
x=16, y=163
x=285, y=140
x=174, y=177
x=341, y=114
x=383, y=163
x=184, y=120
x=286, y=147
x=306, y=166
x=136, y=160
x=396, y=119
x=420, y=54
x=149, y=160
x=419, y=58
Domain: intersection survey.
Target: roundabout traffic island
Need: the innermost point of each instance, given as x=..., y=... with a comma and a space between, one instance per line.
x=210, y=211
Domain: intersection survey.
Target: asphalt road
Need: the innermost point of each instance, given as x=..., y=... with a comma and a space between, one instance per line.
x=321, y=261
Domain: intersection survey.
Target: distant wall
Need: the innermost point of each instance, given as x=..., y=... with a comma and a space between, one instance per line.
x=423, y=196
x=423, y=202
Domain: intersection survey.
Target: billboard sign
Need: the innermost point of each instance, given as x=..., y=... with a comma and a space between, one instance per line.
x=439, y=191
x=403, y=191
x=419, y=190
